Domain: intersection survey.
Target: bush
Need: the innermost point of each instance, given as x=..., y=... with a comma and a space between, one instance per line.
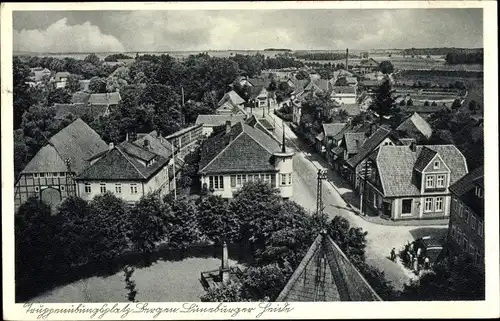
x=285, y=117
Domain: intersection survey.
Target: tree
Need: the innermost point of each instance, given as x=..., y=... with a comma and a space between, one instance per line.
x=386, y=67
x=149, y=220
x=301, y=75
x=225, y=292
x=456, y=104
x=434, y=104
x=383, y=102
x=409, y=102
x=59, y=95
x=453, y=278
x=76, y=233
x=110, y=227
x=473, y=106
x=22, y=99
x=38, y=255
x=264, y=283
x=402, y=102
x=426, y=103
x=20, y=152
x=183, y=228
x=216, y=221
x=351, y=240
x=93, y=59
x=73, y=83
x=97, y=85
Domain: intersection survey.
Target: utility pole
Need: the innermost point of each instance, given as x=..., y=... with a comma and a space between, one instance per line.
x=319, y=193
x=182, y=93
x=173, y=166
x=362, y=203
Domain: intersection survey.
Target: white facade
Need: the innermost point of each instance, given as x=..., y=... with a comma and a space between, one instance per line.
x=225, y=185
x=129, y=190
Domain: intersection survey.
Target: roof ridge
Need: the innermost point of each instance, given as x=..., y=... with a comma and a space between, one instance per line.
x=128, y=160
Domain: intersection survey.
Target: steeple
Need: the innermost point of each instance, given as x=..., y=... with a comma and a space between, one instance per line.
x=283, y=147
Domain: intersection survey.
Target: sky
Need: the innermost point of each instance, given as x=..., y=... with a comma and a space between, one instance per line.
x=193, y=30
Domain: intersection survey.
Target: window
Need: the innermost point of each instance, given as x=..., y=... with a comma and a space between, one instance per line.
x=453, y=232
x=35, y=175
x=62, y=174
x=465, y=243
x=283, y=179
x=440, y=181
x=238, y=180
x=480, y=228
x=436, y=165
x=118, y=188
x=54, y=174
x=133, y=188
x=479, y=192
x=472, y=249
x=460, y=207
x=233, y=180
x=407, y=206
x=37, y=188
x=429, y=181
x=49, y=174
x=428, y=204
x=88, y=188
x=478, y=257
x=473, y=222
x=466, y=214
x=290, y=179
x=103, y=188
x=217, y=182
x=244, y=178
x=438, y=207
x=62, y=188
x=42, y=174
x=459, y=236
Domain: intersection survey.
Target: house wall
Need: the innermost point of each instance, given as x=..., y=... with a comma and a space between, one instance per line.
x=417, y=208
x=461, y=228
x=207, y=130
x=126, y=191
x=32, y=184
x=344, y=98
x=239, y=180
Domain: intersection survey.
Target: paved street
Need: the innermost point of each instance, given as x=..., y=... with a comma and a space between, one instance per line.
x=380, y=238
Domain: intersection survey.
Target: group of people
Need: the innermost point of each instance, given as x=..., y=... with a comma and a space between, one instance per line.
x=413, y=256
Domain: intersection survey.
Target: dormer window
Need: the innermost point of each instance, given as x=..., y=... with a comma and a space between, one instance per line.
x=436, y=165
x=429, y=181
x=479, y=192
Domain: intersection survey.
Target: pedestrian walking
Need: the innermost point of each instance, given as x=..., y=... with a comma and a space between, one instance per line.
x=393, y=254
x=419, y=252
x=426, y=263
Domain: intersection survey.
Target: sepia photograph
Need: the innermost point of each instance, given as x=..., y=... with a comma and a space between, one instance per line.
x=248, y=155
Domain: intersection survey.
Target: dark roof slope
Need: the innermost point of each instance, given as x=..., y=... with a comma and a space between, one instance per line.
x=137, y=151
x=468, y=182
x=78, y=142
x=326, y=274
x=79, y=110
x=425, y=156
x=243, y=149
x=369, y=145
x=118, y=164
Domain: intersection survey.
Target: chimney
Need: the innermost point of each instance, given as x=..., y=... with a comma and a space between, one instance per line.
x=358, y=144
x=111, y=146
x=347, y=59
x=126, y=137
x=413, y=146
x=228, y=126
x=146, y=144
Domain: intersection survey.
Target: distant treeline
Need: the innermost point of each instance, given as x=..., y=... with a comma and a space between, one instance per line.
x=464, y=58
x=319, y=55
x=439, y=51
x=443, y=73
x=276, y=49
x=115, y=57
